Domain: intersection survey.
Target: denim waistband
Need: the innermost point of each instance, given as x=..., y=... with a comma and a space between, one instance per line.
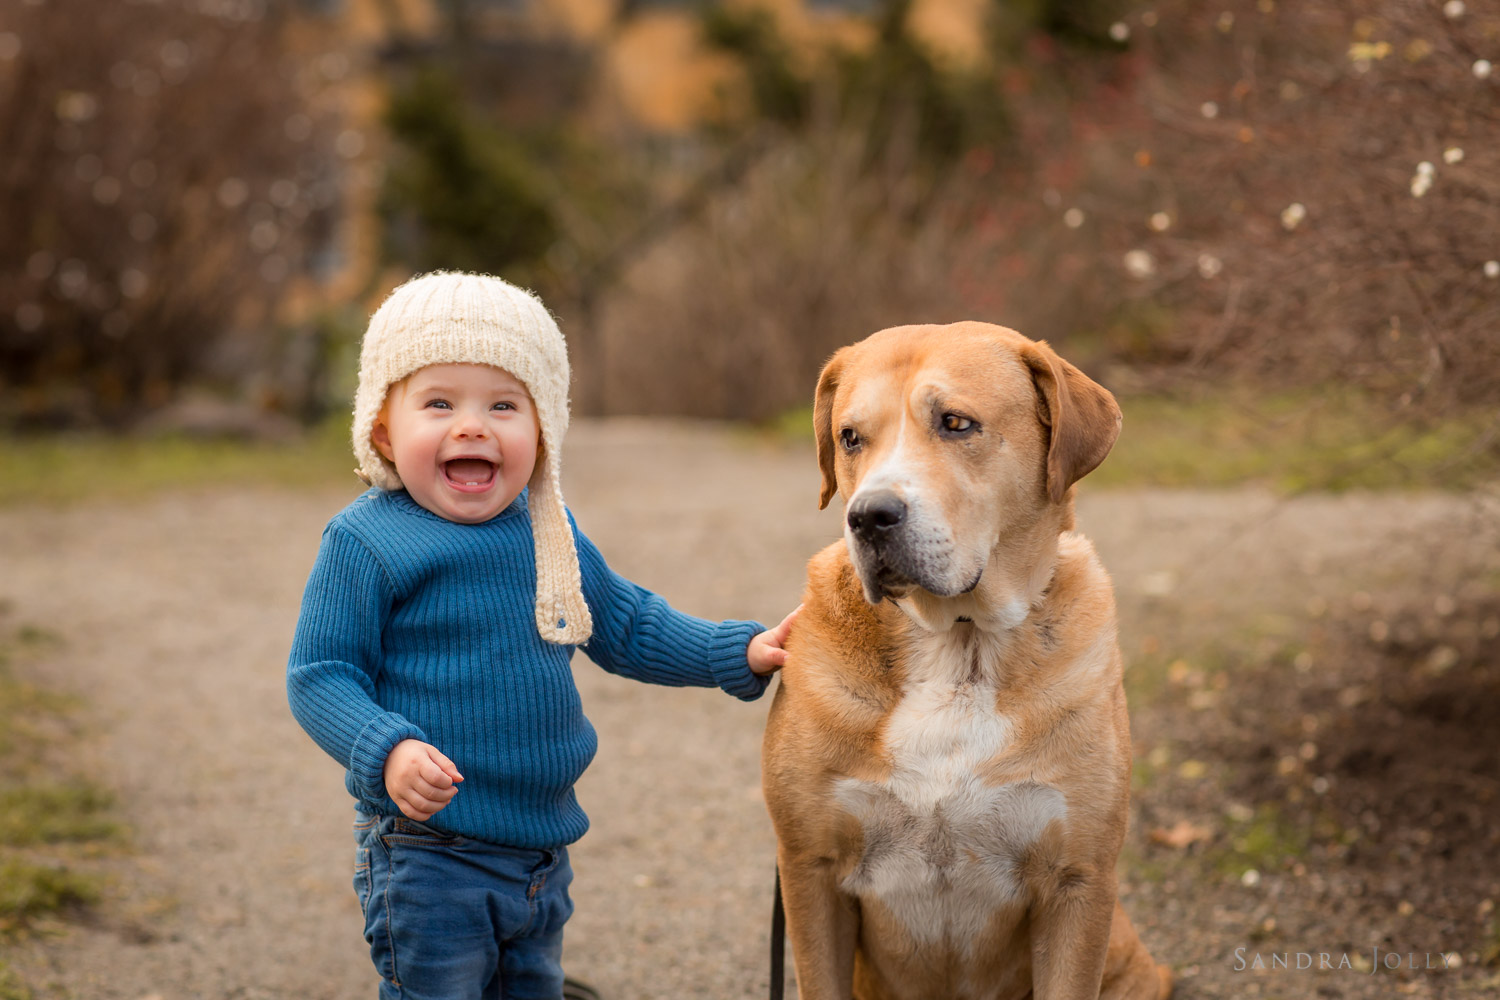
x=541, y=860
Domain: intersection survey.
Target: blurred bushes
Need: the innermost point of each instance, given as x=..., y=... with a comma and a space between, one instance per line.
x=777, y=92
x=892, y=85
x=1306, y=190
x=459, y=194
x=1175, y=195
x=166, y=172
x=1288, y=194
x=820, y=241
x=878, y=182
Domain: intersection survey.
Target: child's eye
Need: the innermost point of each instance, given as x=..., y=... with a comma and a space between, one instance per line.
x=503, y=406
x=441, y=404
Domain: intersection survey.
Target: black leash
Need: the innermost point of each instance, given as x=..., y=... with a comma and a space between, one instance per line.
x=778, y=943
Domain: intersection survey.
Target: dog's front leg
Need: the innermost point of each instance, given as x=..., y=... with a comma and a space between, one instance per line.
x=822, y=924
x=1070, y=937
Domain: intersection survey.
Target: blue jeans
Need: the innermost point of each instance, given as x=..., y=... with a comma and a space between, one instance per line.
x=450, y=918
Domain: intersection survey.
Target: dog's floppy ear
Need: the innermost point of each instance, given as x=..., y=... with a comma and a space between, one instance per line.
x=828, y=384
x=1084, y=418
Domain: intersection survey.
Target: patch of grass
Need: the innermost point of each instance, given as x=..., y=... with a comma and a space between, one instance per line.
x=1151, y=676
x=29, y=890
x=1489, y=950
x=26, y=712
x=793, y=425
x=11, y=986
x=1333, y=439
x=33, y=635
x=1268, y=841
x=1142, y=774
x=1138, y=866
x=71, y=812
x=50, y=819
x=67, y=468
x=1146, y=678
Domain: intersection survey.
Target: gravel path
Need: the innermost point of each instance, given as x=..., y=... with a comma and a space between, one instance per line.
x=176, y=613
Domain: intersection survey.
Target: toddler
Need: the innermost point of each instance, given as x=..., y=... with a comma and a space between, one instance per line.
x=431, y=657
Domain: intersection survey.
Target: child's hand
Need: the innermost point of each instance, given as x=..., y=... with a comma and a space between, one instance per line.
x=419, y=779
x=766, y=654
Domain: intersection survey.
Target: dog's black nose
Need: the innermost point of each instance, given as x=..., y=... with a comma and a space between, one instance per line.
x=873, y=515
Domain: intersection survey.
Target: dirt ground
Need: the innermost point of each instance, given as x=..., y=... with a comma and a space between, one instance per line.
x=1315, y=701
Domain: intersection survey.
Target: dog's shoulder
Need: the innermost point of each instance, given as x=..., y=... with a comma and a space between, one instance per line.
x=836, y=620
x=1079, y=608
x=1079, y=569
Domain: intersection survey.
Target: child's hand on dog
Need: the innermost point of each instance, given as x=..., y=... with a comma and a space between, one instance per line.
x=766, y=654
x=419, y=779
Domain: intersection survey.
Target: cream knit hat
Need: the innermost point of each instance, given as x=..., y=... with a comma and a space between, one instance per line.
x=452, y=318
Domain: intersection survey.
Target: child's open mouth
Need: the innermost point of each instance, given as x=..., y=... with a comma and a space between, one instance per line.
x=469, y=475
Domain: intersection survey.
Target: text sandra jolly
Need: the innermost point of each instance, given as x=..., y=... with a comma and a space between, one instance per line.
x=1305, y=960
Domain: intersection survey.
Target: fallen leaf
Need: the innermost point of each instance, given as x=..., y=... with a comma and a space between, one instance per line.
x=1181, y=835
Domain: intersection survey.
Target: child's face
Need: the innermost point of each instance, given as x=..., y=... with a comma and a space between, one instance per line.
x=463, y=438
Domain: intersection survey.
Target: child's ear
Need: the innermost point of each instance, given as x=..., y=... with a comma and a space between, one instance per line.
x=380, y=437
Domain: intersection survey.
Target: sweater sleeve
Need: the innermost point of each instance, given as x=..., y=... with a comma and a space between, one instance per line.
x=335, y=658
x=638, y=635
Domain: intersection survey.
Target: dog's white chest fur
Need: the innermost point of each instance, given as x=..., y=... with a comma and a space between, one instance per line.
x=941, y=847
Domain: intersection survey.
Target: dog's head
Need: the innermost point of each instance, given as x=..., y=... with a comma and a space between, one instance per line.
x=945, y=439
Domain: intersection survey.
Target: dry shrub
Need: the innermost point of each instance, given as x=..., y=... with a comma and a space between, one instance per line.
x=165, y=173
x=824, y=240
x=1236, y=193
x=1305, y=193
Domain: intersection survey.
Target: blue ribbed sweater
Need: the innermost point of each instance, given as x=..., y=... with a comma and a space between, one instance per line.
x=413, y=626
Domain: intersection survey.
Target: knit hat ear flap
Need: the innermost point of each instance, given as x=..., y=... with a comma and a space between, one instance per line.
x=455, y=318
x=562, y=615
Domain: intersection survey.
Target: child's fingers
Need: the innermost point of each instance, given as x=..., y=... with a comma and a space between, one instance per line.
x=424, y=799
x=434, y=793
x=439, y=770
x=449, y=768
x=764, y=655
x=785, y=628
x=429, y=771
x=414, y=807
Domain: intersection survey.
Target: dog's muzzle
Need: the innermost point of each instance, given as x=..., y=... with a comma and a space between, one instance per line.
x=892, y=551
x=874, y=517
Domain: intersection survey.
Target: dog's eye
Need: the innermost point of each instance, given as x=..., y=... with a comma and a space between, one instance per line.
x=954, y=423
x=850, y=438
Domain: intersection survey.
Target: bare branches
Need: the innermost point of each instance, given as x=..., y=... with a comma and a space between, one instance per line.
x=166, y=174
x=1364, y=126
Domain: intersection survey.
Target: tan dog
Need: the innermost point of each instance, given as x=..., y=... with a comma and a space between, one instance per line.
x=947, y=759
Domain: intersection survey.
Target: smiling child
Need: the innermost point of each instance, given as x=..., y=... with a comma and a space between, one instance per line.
x=432, y=651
